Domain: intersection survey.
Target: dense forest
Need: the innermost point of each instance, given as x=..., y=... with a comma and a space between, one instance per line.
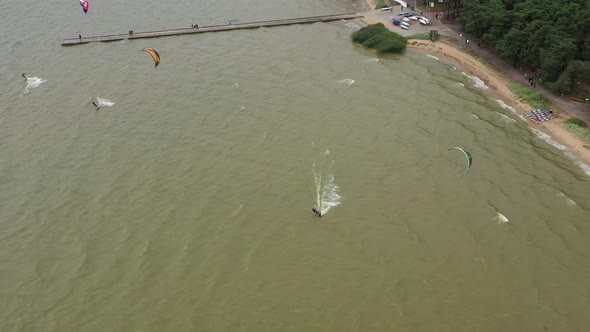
x=550, y=37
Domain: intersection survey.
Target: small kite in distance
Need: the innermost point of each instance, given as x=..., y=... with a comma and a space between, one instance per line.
x=467, y=155
x=154, y=55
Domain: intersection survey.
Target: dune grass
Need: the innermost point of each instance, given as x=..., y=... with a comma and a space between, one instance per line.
x=581, y=132
x=421, y=36
x=529, y=96
x=378, y=37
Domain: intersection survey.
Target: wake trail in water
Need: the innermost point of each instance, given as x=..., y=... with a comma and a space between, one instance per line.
x=500, y=218
x=326, y=189
x=105, y=102
x=100, y=102
x=346, y=81
x=567, y=200
x=33, y=82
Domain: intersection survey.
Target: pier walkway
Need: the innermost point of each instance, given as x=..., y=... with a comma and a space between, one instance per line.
x=234, y=25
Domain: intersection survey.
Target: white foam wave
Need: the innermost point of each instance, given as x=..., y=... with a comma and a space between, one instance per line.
x=475, y=116
x=478, y=82
x=347, y=81
x=500, y=218
x=505, y=119
x=568, y=201
x=548, y=139
x=372, y=60
x=460, y=84
x=585, y=167
x=432, y=57
x=510, y=108
x=506, y=106
x=351, y=25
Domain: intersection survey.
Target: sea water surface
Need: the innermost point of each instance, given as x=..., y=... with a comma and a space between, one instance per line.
x=184, y=203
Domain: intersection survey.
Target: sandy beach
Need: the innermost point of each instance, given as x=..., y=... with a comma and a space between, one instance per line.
x=446, y=49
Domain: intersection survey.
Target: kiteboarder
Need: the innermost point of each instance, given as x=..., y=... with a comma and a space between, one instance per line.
x=25, y=76
x=97, y=106
x=317, y=212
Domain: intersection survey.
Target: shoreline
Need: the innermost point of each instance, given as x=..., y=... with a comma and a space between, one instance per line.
x=553, y=132
x=560, y=137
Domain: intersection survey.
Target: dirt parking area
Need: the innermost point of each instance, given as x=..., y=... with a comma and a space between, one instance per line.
x=385, y=17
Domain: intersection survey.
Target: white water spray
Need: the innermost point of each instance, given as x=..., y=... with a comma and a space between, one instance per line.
x=33, y=82
x=326, y=189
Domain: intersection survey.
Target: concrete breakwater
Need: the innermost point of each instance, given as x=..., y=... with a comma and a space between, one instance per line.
x=233, y=25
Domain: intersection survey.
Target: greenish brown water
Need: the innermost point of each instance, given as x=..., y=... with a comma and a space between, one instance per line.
x=186, y=204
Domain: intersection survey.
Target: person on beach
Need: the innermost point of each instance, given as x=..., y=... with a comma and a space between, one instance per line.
x=317, y=212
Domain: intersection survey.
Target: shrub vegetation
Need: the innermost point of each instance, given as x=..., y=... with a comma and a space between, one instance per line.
x=380, y=4
x=576, y=122
x=378, y=37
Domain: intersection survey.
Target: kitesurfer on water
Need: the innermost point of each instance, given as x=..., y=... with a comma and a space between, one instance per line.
x=95, y=105
x=25, y=76
x=317, y=212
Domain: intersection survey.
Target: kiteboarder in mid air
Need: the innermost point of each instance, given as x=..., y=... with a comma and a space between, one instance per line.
x=96, y=105
x=317, y=212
